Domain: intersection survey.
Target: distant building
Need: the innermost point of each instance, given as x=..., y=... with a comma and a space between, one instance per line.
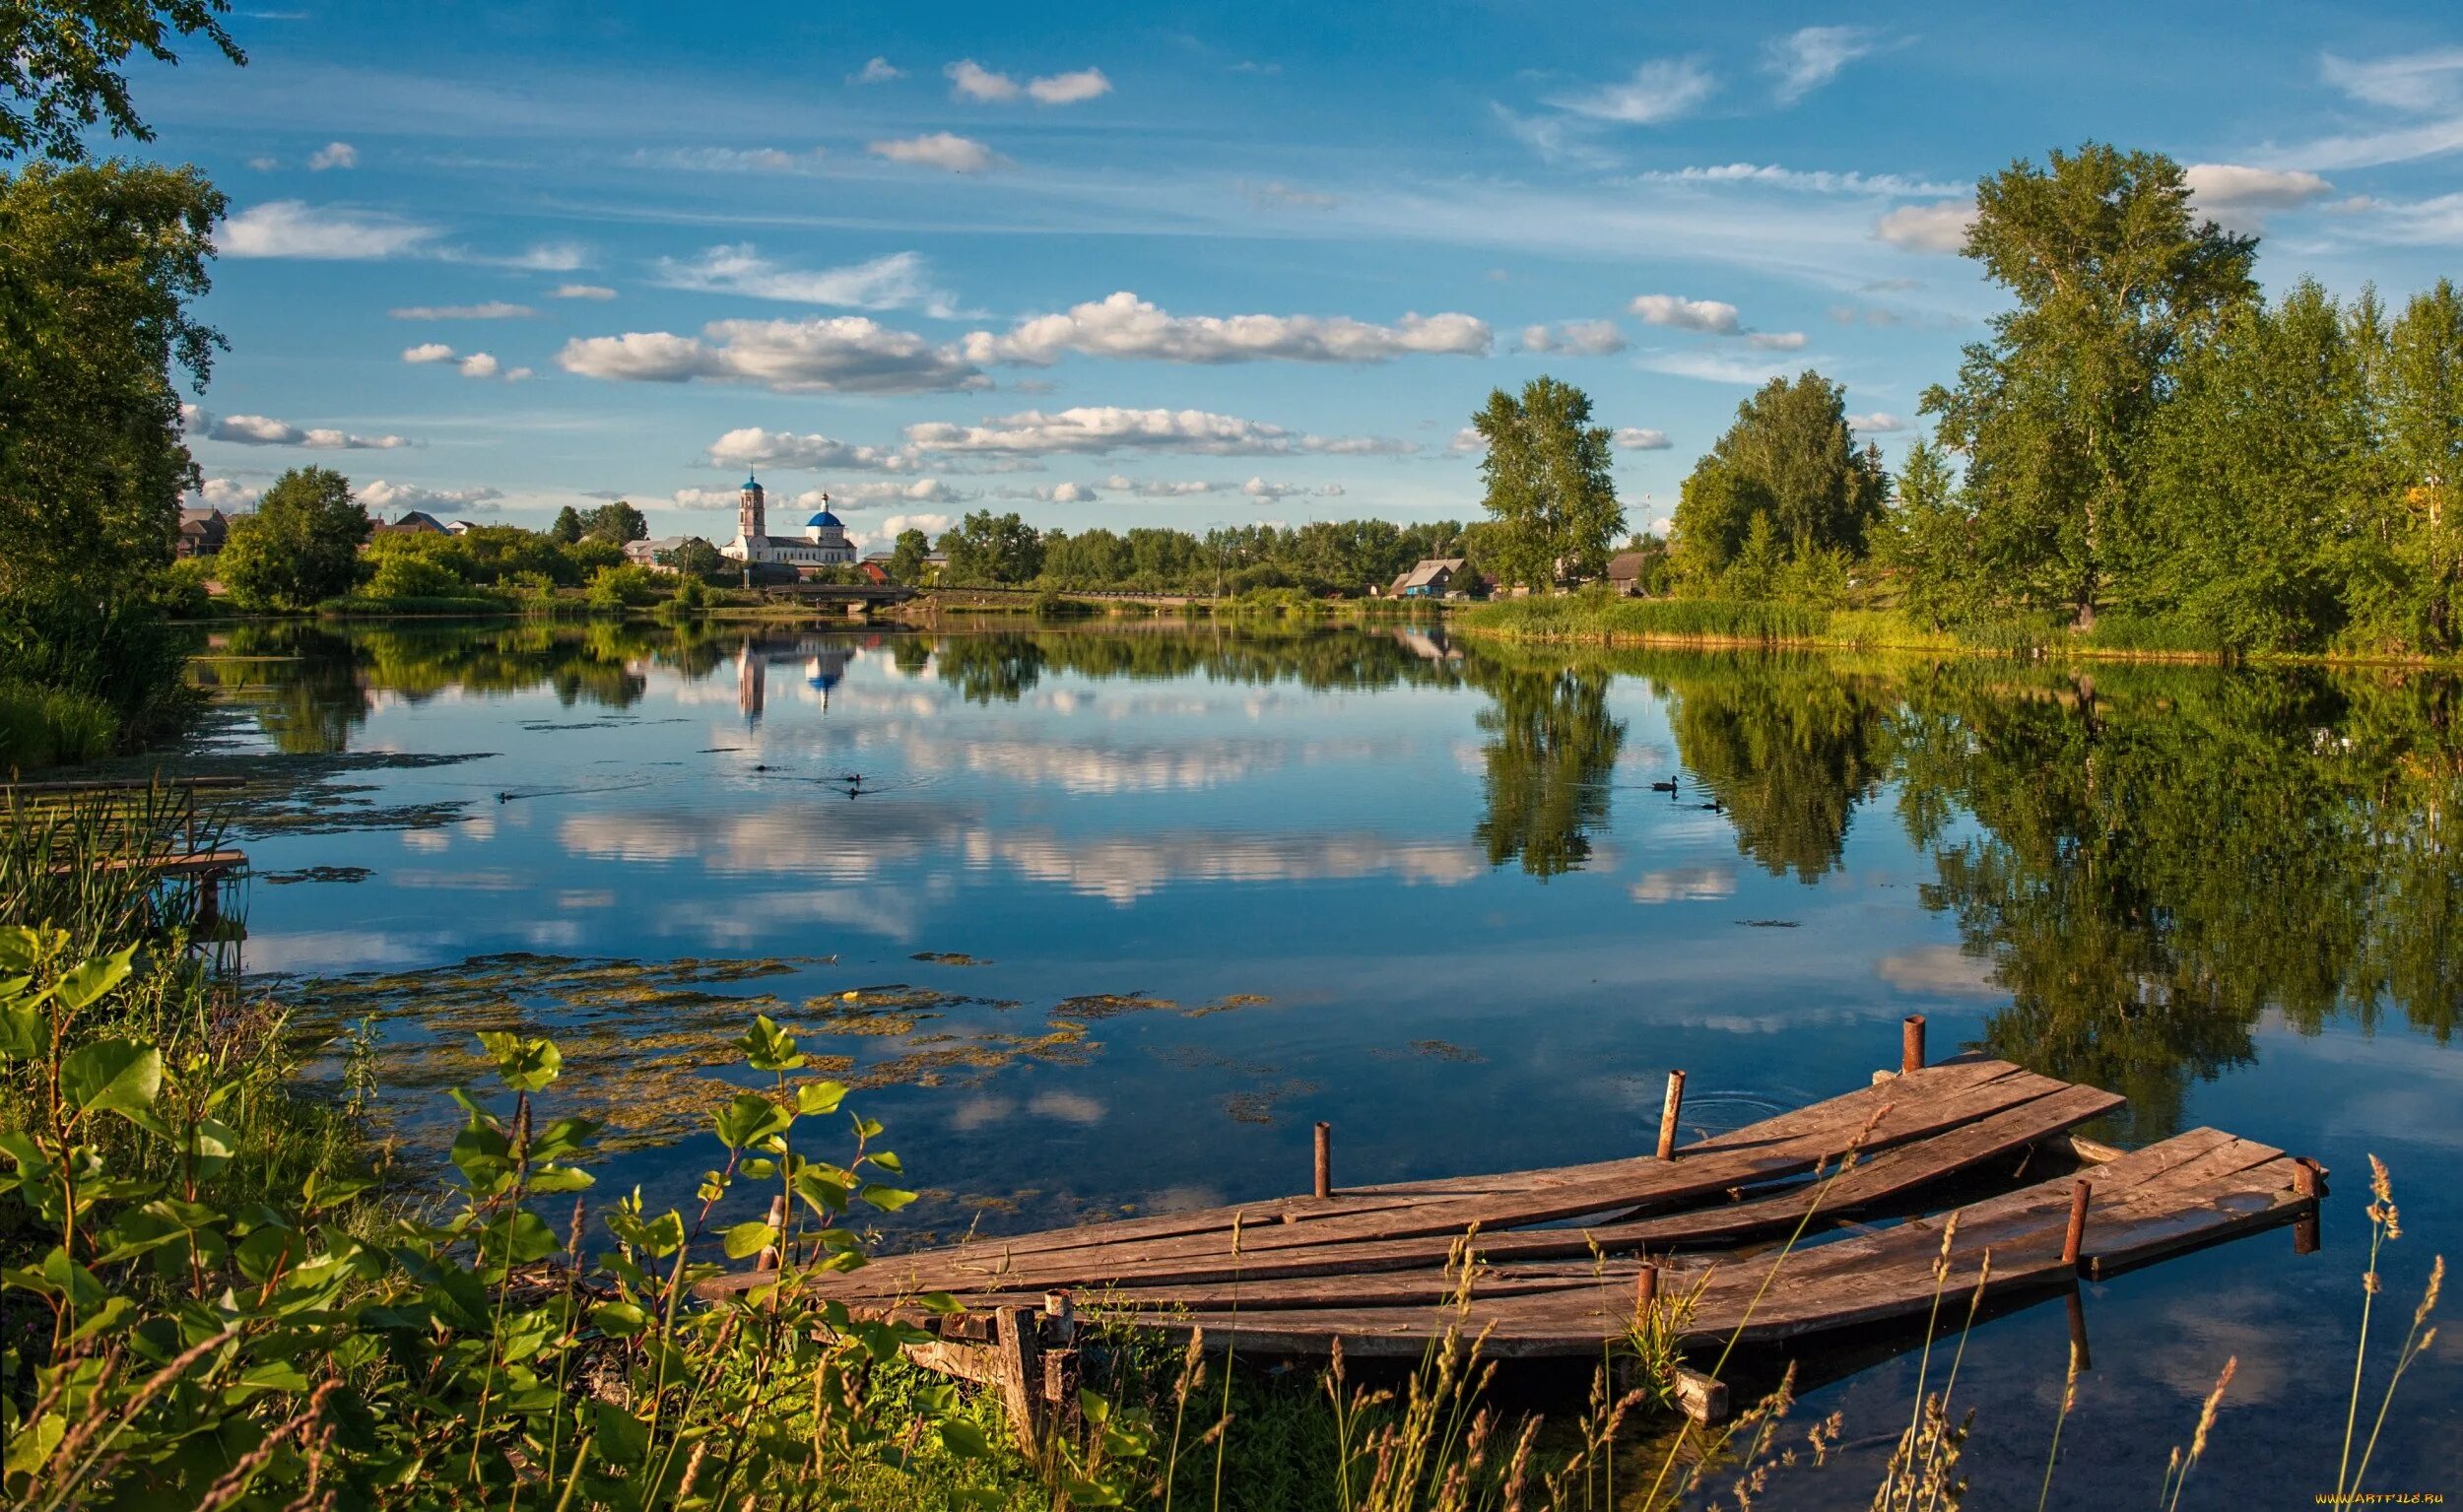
x=1628, y=570
x=1429, y=580
x=463, y=527
x=202, y=533
x=824, y=543
x=419, y=522
x=875, y=571
x=646, y=553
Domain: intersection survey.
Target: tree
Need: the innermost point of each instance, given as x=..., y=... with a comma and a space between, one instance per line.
x=568, y=527
x=301, y=545
x=98, y=268
x=694, y=557
x=987, y=547
x=907, y=555
x=1549, y=492
x=617, y=522
x=1929, y=539
x=59, y=66
x=1790, y=456
x=2116, y=282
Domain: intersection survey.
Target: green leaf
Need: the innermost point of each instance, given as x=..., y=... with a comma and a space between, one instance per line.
x=559, y=1178
x=746, y=1239
x=818, y=1097
x=963, y=1439
x=89, y=980
x=522, y=1065
x=619, y=1319
x=22, y=1035
x=940, y=1302
x=889, y=1161
x=749, y=1120
x=766, y=1048
x=112, y=1073
x=887, y=1199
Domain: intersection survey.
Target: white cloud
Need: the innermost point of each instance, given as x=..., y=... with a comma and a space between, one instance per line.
x=333, y=155
x=479, y=365
x=1071, y=87
x=1635, y=438
x=1467, y=440
x=1278, y=195
x=324, y=233
x=878, y=71
x=1127, y=326
x=1807, y=59
x=754, y=447
x=265, y=431
x=896, y=281
x=492, y=309
x=546, y=257
x=1714, y=367
x=865, y=495
x=2237, y=197
x=1936, y=228
x=1878, y=423
x=1714, y=316
x=264, y=165
x=1157, y=488
x=427, y=351
x=939, y=150
x=733, y=159
x=929, y=524
x=1578, y=338
x=703, y=499
x=2420, y=81
x=227, y=495
x=1260, y=488
x=1053, y=494
x=1811, y=181
x=1090, y=430
x=1684, y=884
x=581, y=291
x=845, y=353
x=1775, y=341
x=971, y=79
x=1661, y=90
x=384, y=495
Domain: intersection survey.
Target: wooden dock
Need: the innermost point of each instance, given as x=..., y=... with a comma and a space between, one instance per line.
x=1557, y=1257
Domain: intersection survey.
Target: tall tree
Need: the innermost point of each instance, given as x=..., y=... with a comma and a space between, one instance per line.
x=2422, y=392
x=1792, y=457
x=1928, y=538
x=907, y=553
x=988, y=547
x=2115, y=280
x=568, y=527
x=60, y=66
x=617, y=522
x=1549, y=494
x=98, y=268
x=301, y=545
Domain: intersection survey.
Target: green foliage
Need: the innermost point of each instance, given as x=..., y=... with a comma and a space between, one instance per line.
x=53, y=726
x=907, y=555
x=410, y=575
x=568, y=526
x=615, y=523
x=117, y=651
x=695, y=559
x=1931, y=541
x=60, y=66
x=1601, y=617
x=987, y=547
x=625, y=585
x=1790, y=462
x=1552, y=498
x=301, y=545
x=97, y=269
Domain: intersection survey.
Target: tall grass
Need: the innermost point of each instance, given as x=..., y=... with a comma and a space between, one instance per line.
x=53, y=727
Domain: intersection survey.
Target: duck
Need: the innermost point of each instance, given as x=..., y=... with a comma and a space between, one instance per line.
x=1664, y=787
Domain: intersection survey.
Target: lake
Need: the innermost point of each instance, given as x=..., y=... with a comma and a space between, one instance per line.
x=1191, y=889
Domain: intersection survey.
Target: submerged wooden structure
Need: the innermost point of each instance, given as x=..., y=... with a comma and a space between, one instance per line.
x=1556, y=1261
x=154, y=826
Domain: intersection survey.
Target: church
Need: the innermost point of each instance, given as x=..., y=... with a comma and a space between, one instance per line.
x=824, y=543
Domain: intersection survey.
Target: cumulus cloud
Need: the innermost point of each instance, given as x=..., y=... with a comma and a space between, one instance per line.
x=1936, y=228
x=479, y=365
x=1576, y=338
x=1069, y=89
x=333, y=155
x=1878, y=423
x=1808, y=59
x=492, y=309
x=323, y=232
x=581, y=291
x=894, y=282
x=1053, y=494
x=945, y=150
x=1278, y=195
x=265, y=431
x=1714, y=316
x=1157, y=488
x=754, y=447
x=1662, y=89
x=845, y=353
x=427, y=351
x=1635, y=438
x=1127, y=326
x=1093, y=429
x=877, y=70
x=971, y=79
x=1260, y=488
x=1467, y=440
x=922, y=491
x=383, y=496
x=227, y=495
x=2237, y=197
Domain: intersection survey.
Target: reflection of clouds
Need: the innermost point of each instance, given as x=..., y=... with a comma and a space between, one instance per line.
x=981, y=1112
x=586, y=898
x=1942, y=969
x=978, y=1112
x=1100, y=769
x=744, y=918
x=1125, y=869
x=425, y=841
x=1067, y=1107
x=340, y=950
x=804, y=830
x=492, y=880
x=1685, y=884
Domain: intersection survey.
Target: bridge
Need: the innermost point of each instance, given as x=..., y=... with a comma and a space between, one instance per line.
x=858, y=599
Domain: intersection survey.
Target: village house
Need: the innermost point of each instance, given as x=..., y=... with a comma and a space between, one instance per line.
x=1430, y=579
x=202, y=533
x=418, y=522
x=646, y=553
x=1627, y=571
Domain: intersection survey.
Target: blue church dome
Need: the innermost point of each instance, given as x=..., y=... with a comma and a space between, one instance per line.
x=752, y=483
x=824, y=518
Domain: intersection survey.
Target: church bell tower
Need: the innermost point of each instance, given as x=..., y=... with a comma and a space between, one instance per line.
x=751, y=522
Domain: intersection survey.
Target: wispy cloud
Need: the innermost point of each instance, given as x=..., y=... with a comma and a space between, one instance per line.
x=944, y=150
x=732, y=159
x=1576, y=338
x=898, y=280
x=1098, y=430
x=1661, y=91
x=333, y=155
x=877, y=70
x=492, y=309
x=1938, y=227
x=323, y=233
x=1804, y=60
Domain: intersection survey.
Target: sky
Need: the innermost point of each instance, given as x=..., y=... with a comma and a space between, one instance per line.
x=1191, y=266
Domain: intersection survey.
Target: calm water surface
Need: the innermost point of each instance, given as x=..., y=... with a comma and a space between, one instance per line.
x=1431, y=894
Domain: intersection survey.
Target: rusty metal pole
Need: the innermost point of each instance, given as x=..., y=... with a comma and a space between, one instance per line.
x=1646, y=1291
x=2079, y=1194
x=1912, y=1043
x=1325, y=1159
x=2078, y=1330
x=1668, y=1113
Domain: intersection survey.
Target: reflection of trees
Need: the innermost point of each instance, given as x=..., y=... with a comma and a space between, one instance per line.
x=306, y=696
x=1550, y=750
x=990, y=669
x=1788, y=746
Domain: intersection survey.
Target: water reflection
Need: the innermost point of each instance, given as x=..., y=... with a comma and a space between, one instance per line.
x=2140, y=864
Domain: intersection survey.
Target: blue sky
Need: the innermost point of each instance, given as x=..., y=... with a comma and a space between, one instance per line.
x=1217, y=263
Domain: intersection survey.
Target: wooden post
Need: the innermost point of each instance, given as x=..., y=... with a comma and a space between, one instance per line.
x=1667, y=1115
x=1646, y=1291
x=767, y=1260
x=1021, y=1373
x=2306, y=1182
x=1325, y=1159
x=2080, y=1193
x=1912, y=1043
x=2078, y=1329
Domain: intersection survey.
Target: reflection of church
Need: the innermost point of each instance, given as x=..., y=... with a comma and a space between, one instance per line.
x=824, y=543
x=825, y=667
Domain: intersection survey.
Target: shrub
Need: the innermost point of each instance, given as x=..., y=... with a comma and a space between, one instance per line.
x=406, y=575
x=121, y=653
x=626, y=586
x=51, y=727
